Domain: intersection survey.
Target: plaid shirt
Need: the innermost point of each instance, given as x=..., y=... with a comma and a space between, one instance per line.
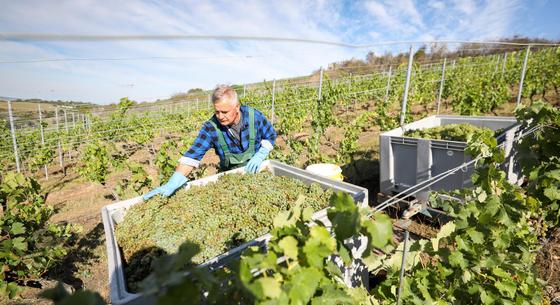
x=208, y=138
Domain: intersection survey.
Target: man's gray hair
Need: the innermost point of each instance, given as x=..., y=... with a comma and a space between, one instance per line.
x=224, y=93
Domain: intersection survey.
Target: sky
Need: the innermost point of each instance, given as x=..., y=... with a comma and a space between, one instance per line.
x=146, y=70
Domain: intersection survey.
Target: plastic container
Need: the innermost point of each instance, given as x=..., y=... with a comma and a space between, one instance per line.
x=114, y=213
x=406, y=161
x=326, y=170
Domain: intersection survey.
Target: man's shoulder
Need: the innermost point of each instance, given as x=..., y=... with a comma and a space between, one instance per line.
x=245, y=109
x=208, y=125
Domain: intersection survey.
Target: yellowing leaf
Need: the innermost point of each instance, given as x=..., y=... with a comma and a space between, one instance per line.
x=289, y=245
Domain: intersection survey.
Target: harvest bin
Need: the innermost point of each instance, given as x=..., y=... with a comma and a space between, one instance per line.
x=114, y=213
x=406, y=161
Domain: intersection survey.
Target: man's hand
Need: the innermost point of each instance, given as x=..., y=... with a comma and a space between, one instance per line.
x=166, y=190
x=255, y=163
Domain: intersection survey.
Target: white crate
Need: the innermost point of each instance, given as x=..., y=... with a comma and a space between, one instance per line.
x=406, y=161
x=113, y=214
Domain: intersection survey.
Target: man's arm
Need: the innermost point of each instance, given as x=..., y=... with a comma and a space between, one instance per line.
x=184, y=169
x=188, y=161
x=268, y=134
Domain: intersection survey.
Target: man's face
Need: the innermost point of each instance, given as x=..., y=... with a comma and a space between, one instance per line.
x=226, y=112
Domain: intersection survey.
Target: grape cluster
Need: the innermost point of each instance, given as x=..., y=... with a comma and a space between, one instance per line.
x=217, y=216
x=451, y=132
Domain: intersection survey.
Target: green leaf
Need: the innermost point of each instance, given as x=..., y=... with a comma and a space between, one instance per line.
x=487, y=297
x=503, y=218
x=501, y=273
x=506, y=288
x=467, y=276
x=289, y=246
x=307, y=214
x=554, y=174
x=332, y=296
x=333, y=269
x=344, y=254
x=17, y=228
x=456, y=259
x=270, y=287
x=344, y=215
x=304, y=284
x=284, y=219
x=476, y=236
x=379, y=231
x=19, y=243
x=490, y=261
x=13, y=290
x=319, y=246
x=552, y=193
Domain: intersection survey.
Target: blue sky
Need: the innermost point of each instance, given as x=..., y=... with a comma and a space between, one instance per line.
x=205, y=63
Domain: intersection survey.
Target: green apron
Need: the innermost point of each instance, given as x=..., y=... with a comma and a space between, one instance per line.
x=232, y=160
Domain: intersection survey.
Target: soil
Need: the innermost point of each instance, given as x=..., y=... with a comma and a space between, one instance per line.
x=548, y=266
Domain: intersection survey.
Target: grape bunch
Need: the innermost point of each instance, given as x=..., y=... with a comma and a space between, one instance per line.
x=451, y=132
x=218, y=216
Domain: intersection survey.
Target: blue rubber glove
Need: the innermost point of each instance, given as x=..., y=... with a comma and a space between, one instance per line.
x=255, y=163
x=166, y=190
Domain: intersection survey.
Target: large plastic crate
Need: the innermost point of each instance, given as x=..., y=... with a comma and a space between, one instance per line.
x=114, y=213
x=406, y=161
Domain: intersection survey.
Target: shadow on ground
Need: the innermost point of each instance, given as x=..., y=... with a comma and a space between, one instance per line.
x=82, y=253
x=365, y=173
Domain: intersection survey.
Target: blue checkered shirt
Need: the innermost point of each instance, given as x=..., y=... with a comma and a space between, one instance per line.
x=208, y=138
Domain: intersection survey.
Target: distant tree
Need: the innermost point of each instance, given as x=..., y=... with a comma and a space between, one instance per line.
x=420, y=55
x=195, y=90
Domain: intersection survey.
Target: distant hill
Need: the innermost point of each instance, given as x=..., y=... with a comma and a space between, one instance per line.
x=5, y=98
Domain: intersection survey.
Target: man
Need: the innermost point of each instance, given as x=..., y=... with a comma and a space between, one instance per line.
x=240, y=135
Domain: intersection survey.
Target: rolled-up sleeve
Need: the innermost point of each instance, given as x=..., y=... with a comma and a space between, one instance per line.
x=201, y=145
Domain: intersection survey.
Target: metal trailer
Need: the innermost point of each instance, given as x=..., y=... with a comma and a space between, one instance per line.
x=113, y=214
x=406, y=161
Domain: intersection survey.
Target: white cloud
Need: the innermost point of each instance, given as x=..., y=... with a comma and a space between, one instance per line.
x=465, y=6
x=409, y=10
x=436, y=4
x=398, y=18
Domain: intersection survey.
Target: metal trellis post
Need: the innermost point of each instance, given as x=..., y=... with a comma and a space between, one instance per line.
x=504, y=62
x=13, y=131
x=60, y=157
x=523, y=75
x=388, y=88
x=273, y=100
x=406, y=85
x=319, y=94
x=65, y=120
x=42, y=138
x=441, y=85
x=244, y=89
x=403, y=264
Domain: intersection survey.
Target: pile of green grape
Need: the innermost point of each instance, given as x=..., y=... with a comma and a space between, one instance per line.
x=218, y=216
x=451, y=132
